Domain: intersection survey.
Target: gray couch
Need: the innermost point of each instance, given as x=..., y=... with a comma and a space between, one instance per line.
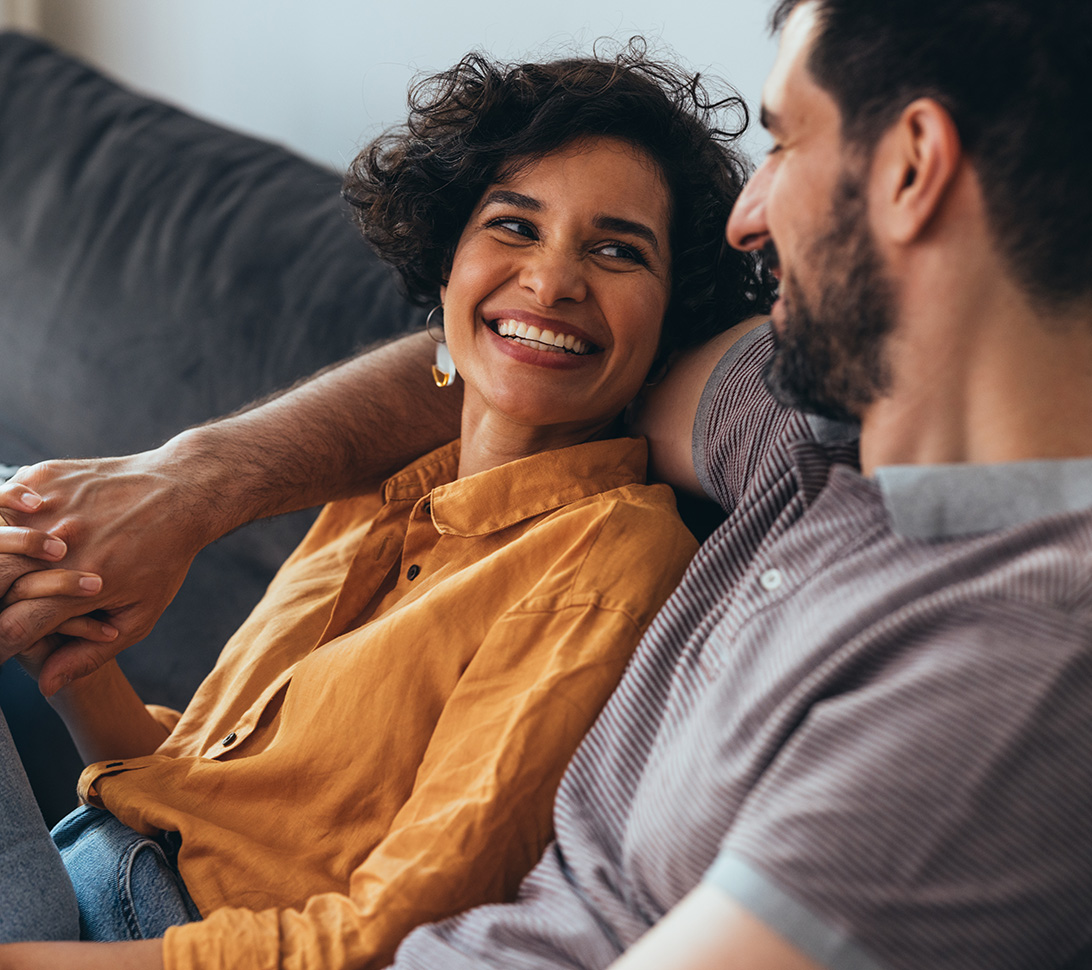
x=155, y=271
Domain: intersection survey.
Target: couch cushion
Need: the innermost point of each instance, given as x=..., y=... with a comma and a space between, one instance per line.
x=157, y=270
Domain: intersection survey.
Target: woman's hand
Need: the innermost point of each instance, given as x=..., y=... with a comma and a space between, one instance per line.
x=23, y=549
x=26, y=573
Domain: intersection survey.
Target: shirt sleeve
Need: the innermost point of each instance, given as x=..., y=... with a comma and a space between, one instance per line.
x=168, y=717
x=956, y=835
x=479, y=815
x=738, y=420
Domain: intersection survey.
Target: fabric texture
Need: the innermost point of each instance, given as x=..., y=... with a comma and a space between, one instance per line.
x=879, y=741
x=38, y=901
x=375, y=775
x=126, y=883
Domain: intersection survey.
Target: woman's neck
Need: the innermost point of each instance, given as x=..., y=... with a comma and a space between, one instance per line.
x=489, y=439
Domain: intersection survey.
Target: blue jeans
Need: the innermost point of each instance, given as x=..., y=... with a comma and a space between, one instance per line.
x=126, y=884
x=106, y=882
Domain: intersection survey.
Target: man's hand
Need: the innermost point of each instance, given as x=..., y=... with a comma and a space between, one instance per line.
x=136, y=522
x=27, y=573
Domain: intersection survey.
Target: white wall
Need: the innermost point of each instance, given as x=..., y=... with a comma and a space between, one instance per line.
x=323, y=76
x=19, y=14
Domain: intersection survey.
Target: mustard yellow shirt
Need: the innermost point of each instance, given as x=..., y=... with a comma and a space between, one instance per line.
x=379, y=744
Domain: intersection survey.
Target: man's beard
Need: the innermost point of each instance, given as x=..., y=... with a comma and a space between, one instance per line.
x=830, y=357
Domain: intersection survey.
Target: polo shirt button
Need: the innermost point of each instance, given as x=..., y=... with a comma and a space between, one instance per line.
x=229, y=739
x=413, y=572
x=770, y=579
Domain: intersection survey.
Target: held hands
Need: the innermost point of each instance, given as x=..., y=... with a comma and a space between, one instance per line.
x=91, y=553
x=26, y=575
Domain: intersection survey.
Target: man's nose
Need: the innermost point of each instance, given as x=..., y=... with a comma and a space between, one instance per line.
x=747, y=227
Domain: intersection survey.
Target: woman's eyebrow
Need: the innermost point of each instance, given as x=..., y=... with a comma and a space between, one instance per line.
x=639, y=229
x=508, y=197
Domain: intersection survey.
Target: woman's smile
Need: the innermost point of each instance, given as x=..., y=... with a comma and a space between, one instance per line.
x=545, y=339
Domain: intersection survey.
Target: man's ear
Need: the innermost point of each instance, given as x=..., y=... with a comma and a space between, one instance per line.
x=916, y=162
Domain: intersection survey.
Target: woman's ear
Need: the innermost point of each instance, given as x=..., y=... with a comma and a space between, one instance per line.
x=915, y=164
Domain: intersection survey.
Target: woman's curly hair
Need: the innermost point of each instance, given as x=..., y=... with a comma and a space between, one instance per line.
x=414, y=188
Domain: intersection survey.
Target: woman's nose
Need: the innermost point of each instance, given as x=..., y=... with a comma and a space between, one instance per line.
x=553, y=277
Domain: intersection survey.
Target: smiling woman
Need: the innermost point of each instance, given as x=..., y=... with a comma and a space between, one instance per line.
x=408, y=692
x=556, y=297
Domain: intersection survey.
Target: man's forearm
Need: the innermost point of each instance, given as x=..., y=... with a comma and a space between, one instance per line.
x=334, y=435
x=138, y=521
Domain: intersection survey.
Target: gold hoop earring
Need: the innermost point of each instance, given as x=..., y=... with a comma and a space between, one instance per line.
x=437, y=335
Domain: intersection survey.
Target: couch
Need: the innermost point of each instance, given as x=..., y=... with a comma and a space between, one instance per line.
x=157, y=270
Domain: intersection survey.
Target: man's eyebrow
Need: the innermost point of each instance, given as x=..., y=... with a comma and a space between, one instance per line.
x=639, y=229
x=508, y=197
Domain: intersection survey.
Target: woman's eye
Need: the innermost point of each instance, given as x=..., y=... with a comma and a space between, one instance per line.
x=515, y=226
x=622, y=251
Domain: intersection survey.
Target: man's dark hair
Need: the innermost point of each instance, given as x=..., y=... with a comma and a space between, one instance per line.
x=1016, y=77
x=414, y=188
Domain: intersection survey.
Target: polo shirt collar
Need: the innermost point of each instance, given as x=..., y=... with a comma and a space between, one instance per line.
x=500, y=497
x=946, y=501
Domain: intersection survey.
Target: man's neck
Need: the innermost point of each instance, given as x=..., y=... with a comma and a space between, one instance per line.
x=981, y=377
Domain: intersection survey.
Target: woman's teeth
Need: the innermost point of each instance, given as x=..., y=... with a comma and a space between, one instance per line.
x=542, y=339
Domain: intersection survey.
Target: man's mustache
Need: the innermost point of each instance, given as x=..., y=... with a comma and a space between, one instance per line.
x=769, y=256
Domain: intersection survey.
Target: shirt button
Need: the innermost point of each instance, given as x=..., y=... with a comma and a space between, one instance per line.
x=229, y=739
x=413, y=572
x=770, y=579
x=427, y=508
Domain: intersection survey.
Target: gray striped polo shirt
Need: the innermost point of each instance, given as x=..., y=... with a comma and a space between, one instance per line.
x=866, y=715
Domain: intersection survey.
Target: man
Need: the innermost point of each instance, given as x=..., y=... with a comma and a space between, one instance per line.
x=857, y=736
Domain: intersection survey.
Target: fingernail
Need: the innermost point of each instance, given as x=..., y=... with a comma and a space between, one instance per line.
x=109, y=631
x=54, y=548
x=31, y=501
x=92, y=584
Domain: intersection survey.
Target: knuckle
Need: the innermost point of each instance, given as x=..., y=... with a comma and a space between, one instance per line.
x=14, y=631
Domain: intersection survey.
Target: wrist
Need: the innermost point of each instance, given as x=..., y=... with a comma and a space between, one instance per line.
x=209, y=478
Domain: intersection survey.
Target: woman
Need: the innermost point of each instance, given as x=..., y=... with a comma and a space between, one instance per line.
x=379, y=744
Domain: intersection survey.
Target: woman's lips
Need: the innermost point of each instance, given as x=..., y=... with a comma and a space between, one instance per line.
x=542, y=338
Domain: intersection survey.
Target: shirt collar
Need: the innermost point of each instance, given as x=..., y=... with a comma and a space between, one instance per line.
x=945, y=501
x=501, y=497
